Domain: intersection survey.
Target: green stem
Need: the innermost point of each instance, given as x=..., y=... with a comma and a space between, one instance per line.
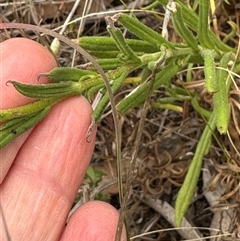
x=138, y=95
x=28, y=109
x=15, y=128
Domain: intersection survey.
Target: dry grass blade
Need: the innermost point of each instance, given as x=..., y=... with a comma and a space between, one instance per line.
x=8, y=236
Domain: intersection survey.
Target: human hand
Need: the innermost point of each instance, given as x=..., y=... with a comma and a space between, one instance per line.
x=42, y=169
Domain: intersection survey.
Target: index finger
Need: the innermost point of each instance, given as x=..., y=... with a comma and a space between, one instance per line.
x=23, y=60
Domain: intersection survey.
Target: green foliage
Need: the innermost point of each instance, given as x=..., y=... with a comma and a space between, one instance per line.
x=94, y=177
x=119, y=57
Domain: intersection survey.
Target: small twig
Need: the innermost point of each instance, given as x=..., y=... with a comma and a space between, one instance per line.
x=137, y=144
x=5, y=224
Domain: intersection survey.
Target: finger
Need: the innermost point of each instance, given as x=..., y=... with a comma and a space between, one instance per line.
x=39, y=190
x=22, y=60
x=93, y=221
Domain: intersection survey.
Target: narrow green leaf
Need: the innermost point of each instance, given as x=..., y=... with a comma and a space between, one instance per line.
x=209, y=69
x=103, y=44
x=67, y=74
x=25, y=110
x=220, y=97
x=145, y=33
x=122, y=45
x=192, y=20
x=55, y=90
x=189, y=185
x=203, y=26
x=13, y=128
x=180, y=26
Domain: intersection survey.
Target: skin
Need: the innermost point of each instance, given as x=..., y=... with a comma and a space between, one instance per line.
x=40, y=172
